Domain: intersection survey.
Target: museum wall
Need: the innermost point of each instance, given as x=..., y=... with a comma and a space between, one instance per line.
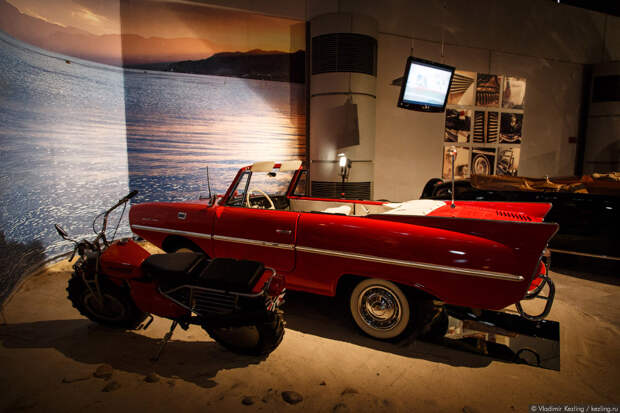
x=410, y=145
x=542, y=42
x=612, y=39
x=545, y=43
x=602, y=146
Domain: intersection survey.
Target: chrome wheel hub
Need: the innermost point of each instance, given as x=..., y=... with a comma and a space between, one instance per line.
x=379, y=307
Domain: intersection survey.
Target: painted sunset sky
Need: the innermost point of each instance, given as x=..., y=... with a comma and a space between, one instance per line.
x=144, y=31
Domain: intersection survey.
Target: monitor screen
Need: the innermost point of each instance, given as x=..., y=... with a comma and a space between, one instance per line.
x=425, y=85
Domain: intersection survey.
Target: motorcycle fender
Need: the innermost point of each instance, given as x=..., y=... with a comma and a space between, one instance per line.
x=149, y=300
x=122, y=259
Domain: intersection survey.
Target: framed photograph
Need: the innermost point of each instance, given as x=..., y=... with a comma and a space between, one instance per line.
x=461, y=163
x=478, y=134
x=487, y=90
x=508, y=160
x=463, y=88
x=458, y=125
x=511, y=126
x=486, y=127
x=482, y=161
x=492, y=127
x=487, y=116
x=513, y=94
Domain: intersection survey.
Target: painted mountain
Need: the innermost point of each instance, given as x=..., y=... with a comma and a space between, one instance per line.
x=186, y=55
x=255, y=64
x=114, y=49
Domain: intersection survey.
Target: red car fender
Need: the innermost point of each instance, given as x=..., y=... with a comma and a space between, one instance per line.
x=191, y=221
x=448, y=258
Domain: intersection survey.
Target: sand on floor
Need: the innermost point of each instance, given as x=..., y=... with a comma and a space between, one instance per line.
x=48, y=355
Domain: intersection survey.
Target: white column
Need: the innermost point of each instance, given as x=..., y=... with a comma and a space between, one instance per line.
x=329, y=116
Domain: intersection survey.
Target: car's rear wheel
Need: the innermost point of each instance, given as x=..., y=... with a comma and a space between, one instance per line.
x=380, y=308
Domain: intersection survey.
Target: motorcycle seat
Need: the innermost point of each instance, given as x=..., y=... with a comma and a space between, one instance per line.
x=175, y=265
x=231, y=275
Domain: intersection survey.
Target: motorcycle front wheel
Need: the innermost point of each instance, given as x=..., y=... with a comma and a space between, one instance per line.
x=253, y=340
x=114, y=308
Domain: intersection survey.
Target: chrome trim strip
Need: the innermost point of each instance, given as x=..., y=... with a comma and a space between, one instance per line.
x=172, y=231
x=412, y=264
x=363, y=257
x=259, y=243
x=584, y=254
x=217, y=237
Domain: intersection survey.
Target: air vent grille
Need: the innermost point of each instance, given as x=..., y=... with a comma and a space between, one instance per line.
x=344, y=52
x=339, y=190
x=513, y=215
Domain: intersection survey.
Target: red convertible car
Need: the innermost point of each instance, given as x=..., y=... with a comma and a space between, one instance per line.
x=391, y=259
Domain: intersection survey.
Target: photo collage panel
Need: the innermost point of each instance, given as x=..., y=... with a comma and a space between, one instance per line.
x=484, y=121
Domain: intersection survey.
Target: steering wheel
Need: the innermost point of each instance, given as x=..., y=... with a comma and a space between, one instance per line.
x=260, y=191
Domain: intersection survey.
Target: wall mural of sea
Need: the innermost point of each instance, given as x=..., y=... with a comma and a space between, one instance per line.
x=75, y=136
x=177, y=124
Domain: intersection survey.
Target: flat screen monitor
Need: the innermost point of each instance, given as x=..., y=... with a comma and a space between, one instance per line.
x=425, y=85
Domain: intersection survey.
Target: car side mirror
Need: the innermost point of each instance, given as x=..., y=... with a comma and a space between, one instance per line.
x=61, y=231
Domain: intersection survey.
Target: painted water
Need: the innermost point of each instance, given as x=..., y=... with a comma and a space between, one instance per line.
x=75, y=136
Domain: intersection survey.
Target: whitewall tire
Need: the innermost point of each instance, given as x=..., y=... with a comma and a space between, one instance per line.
x=380, y=308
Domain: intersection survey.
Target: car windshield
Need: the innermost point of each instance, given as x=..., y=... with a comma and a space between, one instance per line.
x=274, y=184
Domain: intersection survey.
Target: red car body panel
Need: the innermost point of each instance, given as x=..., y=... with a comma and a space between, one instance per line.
x=478, y=254
x=268, y=229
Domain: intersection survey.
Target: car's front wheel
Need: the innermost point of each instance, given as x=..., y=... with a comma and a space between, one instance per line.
x=380, y=308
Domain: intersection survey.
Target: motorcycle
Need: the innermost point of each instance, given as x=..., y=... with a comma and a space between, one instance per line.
x=119, y=284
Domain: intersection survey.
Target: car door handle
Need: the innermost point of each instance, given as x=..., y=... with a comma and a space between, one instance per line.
x=284, y=231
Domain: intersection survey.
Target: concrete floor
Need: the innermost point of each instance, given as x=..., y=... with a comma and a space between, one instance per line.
x=48, y=354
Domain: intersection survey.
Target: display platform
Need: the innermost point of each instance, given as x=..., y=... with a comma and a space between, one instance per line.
x=504, y=336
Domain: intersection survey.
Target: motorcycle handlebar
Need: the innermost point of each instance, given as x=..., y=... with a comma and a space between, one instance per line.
x=131, y=194
x=100, y=234
x=119, y=203
x=124, y=199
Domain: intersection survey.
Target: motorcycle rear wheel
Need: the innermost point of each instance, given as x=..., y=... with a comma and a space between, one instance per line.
x=117, y=309
x=254, y=340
